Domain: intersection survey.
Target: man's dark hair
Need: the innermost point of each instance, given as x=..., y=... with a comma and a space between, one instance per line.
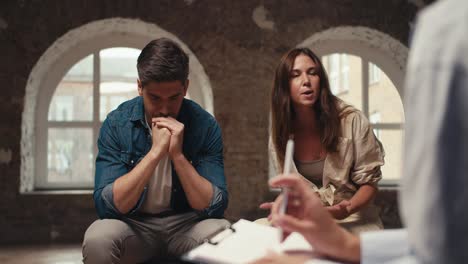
x=162, y=60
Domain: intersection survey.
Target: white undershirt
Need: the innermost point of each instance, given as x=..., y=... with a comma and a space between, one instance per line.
x=158, y=197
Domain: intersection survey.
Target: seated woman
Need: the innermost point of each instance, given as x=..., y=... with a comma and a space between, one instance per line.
x=336, y=151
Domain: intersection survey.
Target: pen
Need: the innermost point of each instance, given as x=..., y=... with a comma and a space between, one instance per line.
x=286, y=170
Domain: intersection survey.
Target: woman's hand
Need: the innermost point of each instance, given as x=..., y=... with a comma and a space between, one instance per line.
x=340, y=210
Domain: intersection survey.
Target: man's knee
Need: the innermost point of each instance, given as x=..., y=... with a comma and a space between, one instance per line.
x=206, y=228
x=196, y=235
x=102, y=241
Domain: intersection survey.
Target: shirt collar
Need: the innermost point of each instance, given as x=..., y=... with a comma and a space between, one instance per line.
x=138, y=112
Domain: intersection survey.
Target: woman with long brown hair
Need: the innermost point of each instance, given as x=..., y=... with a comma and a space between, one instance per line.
x=336, y=151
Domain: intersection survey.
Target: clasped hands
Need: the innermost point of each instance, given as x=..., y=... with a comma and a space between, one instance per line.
x=168, y=136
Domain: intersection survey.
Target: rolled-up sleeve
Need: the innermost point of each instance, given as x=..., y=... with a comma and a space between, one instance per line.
x=211, y=166
x=109, y=167
x=368, y=152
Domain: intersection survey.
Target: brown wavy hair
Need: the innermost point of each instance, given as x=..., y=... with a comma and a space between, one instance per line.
x=282, y=111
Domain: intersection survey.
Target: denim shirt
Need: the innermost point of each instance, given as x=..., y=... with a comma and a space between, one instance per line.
x=124, y=140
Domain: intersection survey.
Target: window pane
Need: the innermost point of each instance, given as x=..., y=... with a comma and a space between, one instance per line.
x=73, y=97
x=385, y=99
x=118, y=78
x=392, y=142
x=334, y=70
x=375, y=118
x=345, y=71
x=374, y=74
x=70, y=155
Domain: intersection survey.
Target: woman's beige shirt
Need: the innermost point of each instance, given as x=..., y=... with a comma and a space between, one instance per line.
x=357, y=161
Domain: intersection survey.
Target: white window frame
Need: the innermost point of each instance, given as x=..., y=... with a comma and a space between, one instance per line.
x=53, y=65
x=94, y=125
x=365, y=101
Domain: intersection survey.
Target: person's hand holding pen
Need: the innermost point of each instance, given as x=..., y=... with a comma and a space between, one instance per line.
x=280, y=205
x=306, y=215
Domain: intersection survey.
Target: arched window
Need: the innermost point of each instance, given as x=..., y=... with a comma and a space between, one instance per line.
x=366, y=69
x=82, y=77
x=92, y=88
x=376, y=96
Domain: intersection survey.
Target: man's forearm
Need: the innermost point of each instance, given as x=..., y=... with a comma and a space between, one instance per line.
x=128, y=188
x=199, y=191
x=362, y=197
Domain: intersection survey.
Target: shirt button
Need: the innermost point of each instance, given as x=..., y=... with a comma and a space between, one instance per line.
x=131, y=161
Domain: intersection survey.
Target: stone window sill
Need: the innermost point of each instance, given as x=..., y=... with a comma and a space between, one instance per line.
x=59, y=192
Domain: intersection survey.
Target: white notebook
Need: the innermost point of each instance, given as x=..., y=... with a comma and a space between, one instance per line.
x=245, y=242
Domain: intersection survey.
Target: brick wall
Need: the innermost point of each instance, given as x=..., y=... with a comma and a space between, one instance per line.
x=237, y=42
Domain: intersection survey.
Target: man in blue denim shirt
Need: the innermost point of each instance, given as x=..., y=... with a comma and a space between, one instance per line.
x=159, y=183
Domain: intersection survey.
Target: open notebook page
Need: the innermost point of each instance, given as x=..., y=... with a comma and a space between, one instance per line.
x=251, y=241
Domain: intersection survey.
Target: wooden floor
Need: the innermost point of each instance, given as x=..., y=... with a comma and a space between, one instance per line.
x=53, y=254
x=50, y=254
